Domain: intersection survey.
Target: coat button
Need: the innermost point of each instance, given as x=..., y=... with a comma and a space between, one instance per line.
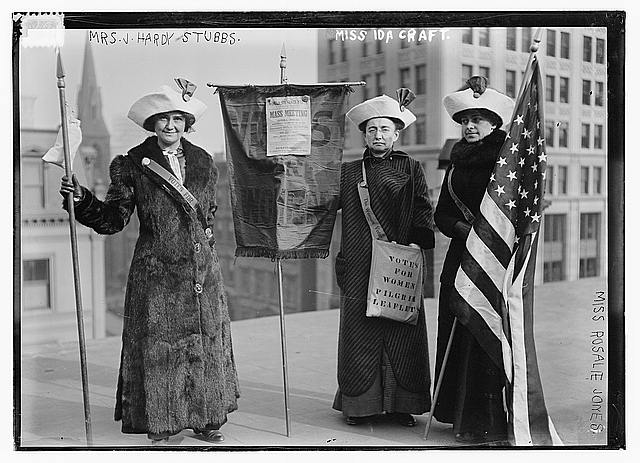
x=208, y=233
x=196, y=247
x=197, y=288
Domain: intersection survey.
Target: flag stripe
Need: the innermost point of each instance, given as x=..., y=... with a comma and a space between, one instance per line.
x=520, y=401
x=477, y=277
x=538, y=417
x=501, y=225
x=482, y=253
x=481, y=331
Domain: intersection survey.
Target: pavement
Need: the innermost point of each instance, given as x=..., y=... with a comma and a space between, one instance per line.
x=51, y=407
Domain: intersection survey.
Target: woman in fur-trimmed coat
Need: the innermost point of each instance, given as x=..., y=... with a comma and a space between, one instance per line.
x=177, y=369
x=470, y=395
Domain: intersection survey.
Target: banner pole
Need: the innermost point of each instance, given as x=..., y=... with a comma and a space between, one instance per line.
x=283, y=343
x=74, y=251
x=436, y=393
x=283, y=335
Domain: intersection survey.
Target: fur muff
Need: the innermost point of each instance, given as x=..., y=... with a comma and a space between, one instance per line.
x=177, y=369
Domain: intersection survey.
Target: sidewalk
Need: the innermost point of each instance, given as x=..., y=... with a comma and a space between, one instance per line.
x=52, y=409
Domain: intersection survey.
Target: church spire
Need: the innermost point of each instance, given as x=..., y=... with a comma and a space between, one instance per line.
x=89, y=100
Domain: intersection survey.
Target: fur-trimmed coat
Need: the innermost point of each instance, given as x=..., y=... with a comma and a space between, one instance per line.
x=395, y=182
x=470, y=390
x=177, y=369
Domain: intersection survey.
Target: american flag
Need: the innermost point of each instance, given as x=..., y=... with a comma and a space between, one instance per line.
x=493, y=293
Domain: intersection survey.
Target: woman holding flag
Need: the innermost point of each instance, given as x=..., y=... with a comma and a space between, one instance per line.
x=471, y=393
x=177, y=369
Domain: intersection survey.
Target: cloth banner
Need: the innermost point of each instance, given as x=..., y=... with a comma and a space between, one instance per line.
x=284, y=206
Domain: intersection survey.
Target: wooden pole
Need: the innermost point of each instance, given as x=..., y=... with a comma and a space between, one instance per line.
x=283, y=334
x=436, y=393
x=74, y=252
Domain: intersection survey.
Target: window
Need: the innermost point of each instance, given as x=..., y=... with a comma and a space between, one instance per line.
x=467, y=35
x=597, y=136
x=549, y=180
x=483, y=37
x=599, y=97
x=33, y=195
x=467, y=71
x=551, y=42
x=485, y=72
x=564, y=45
x=600, y=51
x=555, y=232
x=421, y=79
x=36, y=278
x=343, y=51
x=550, y=88
x=585, y=137
x=584, y=180
x=378, y=47
x=586, y=49
x=563, y=134
x=404, y=43
x=365, y=48
x=421, y=129
x=526, y=39
x=511, y=38
x=562, y=180
x=365, y=89
x=597, y=181
x=510, y=86
x=564, y=90
x=405, y=136
x=589, y=245
x=405, y=76
x=586, y=92
x=379, y=83
x=332, y=52
x=550, y=131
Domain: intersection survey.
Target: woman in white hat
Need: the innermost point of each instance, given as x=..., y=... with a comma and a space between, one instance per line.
x=176, y=370
x=471, y=393
x=383, y=365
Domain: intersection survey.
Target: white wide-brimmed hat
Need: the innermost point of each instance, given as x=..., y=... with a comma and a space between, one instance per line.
x=380, y=106
x=483, y=98
x=164, y=100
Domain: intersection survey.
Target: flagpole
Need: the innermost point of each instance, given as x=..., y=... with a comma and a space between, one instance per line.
x=283, y=335
x=533, y=49
x=74, y=250
x=436, y=393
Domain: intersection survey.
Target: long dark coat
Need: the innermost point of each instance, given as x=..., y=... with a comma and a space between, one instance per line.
x=470, y=395
x=393, y=182
x=177, y=369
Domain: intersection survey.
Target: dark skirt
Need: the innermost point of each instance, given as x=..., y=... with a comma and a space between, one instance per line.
x=471, y=394
x=384, y=396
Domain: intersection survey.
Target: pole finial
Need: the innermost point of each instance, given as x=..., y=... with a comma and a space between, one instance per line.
x=59, y=68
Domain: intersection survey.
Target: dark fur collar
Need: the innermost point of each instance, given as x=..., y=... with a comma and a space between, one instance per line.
x=482, y=153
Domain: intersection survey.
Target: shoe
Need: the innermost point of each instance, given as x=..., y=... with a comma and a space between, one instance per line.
x=404, y=419
x=355, y=420
x=160, y=442
x=469, y=438
x=211, y=435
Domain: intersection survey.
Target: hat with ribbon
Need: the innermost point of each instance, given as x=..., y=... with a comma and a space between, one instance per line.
x=476, y=95
x=384, y=106
x=166, y=100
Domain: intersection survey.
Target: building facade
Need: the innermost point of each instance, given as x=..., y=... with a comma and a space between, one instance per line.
x=47, y=292
x=436, y=62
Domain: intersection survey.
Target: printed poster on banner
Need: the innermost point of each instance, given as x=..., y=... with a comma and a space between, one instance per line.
x=288, y=125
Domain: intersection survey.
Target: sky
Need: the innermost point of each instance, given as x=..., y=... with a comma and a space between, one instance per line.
x=130, y=63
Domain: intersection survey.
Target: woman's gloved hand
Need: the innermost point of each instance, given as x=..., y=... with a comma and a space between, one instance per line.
x=74, y=187
x=461, y=229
